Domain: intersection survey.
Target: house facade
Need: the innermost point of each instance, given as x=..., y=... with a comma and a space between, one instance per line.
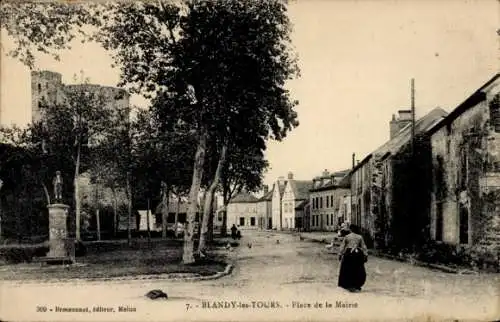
x=276, y=207
x=465, y=200
x=264, y=209
x=326, y=196
x=381, y=205
x=345, y=206
x=242, y=211
x=296, y=191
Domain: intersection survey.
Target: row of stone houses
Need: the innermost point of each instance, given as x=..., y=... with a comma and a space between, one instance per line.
x=442, y=184
x=318, y=204
x=438, y=181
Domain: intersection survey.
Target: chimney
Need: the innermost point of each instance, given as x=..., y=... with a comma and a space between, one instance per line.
x=290, y=176
x=265, y=188
x=325, y=173
x=397, y=124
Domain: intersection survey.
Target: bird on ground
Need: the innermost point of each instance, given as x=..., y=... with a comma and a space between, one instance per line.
x=156, y=294
x=249, y=245
x=228, y=246
x=277, y=241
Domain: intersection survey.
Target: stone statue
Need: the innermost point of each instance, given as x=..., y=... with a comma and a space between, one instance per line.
x=58, y=182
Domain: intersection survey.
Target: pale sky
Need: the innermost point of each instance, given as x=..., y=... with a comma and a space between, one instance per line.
x=356, y=60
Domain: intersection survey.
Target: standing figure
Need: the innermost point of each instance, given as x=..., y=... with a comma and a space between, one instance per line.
x=57, y=182
x=353, y=254
x=233, y=231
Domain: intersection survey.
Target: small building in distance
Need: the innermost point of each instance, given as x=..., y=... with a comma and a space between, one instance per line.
x=326, y=198
x=296, y=192
x=242, y=211
x=276, y=205
x=264, y=209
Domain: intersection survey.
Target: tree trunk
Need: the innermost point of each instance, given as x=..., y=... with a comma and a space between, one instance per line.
x=210, y=234
x=207, y=209
x=129, y=202
x=115, y=211
x=77, y=193
x=199, y=161
x=148, y=224
x=164, y=211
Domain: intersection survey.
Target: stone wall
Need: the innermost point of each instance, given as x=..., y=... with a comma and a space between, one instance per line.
x=361, y=185
x=466, y=179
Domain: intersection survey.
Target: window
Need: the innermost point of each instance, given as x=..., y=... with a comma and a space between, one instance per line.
x=327, y=201
x=39, y=87
x=327, y=220
x=242, y=221
x=321, y=202
x=219, y=216
x=252, y=221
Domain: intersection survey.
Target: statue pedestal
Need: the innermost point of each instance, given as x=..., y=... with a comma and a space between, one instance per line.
x=61, y=248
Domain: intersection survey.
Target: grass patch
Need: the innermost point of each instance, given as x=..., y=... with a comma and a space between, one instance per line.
x=117, y=259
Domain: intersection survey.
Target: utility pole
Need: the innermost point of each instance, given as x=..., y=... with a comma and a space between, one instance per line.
x=352, y=173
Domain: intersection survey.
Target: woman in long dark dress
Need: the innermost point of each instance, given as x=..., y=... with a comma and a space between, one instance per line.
x=353, y=254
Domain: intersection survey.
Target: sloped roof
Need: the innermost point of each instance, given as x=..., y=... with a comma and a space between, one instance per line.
x=422, y=125
x=339, y=181
x=345, y=182
x=268, y=196
x=243, y=197
x=404, y=136
x=301, y=188
x=301, y=205
x=172, y=207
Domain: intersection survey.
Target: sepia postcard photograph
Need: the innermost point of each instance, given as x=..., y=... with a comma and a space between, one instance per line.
x=250, y=160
